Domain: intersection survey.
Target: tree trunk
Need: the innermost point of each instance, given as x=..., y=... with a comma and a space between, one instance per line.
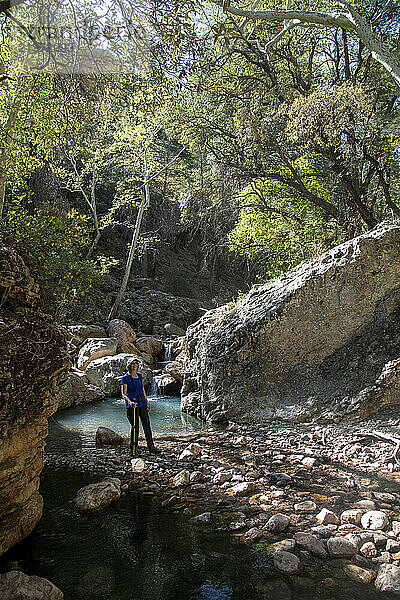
x=143, y=205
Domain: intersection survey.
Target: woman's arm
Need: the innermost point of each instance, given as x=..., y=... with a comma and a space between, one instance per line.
x=124, y=390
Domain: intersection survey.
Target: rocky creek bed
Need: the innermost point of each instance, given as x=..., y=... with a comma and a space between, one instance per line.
x=316, y=508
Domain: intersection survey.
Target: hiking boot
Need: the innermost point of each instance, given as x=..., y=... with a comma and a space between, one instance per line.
x=154, y=450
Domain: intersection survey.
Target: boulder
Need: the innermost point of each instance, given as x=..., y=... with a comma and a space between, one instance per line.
x=176, y=368
x=388, y=579
x=150, y=345
x=15, y=585
x=340, y=547
x=319, y=342
x=33, y=362
x=286, y=562
x=108, y=437
x=76, y=390
x=105, y=373
x=171, y=329
x=123, y=333
x=94, y=348
x=311, y=543
x=98, y=495
x=168, y=386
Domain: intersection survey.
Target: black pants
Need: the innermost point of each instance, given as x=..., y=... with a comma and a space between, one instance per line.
x=141, y=412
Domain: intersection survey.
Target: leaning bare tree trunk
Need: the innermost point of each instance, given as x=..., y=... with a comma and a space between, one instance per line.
x=143, y=205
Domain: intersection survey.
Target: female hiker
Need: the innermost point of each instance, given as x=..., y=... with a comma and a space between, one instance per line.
x=137, y=405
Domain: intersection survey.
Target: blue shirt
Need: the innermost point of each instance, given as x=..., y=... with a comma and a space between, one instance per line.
x=134, y=389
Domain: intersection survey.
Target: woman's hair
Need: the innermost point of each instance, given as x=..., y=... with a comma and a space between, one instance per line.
x=132, y=362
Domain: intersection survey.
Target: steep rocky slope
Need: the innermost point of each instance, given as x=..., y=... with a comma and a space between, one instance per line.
x=321, y=342
x=33, y=360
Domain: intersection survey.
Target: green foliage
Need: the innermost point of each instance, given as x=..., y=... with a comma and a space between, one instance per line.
x=277, y=228
x=54, y=244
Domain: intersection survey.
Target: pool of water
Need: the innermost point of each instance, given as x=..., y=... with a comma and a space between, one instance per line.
x=165, y=416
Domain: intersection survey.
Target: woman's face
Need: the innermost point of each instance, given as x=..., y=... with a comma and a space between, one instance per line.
x=133, y=367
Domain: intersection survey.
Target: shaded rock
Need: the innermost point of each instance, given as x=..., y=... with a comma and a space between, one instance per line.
x=171, y=329
x=306, y=341
x=359, y=574
x=105, y=373
x=150, y=345
x=286, y=562
x=311, y=543
x=82, y=332
x=123, y=333
x=176, y=368
x=98, y=495
x=76, y=390
x=277, y=522
x=252, y=536
x=287, y=545
x=168, y=385
x=222, y=477
x=15, y=585
x=94, y=348
x=108, y=437
x=388, y=579
x=339, y=546
x=375, y=519
x=196, y=476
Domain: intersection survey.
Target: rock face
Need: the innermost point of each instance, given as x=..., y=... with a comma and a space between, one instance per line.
x=321, y=342
x=33, y=360
x=124, y=334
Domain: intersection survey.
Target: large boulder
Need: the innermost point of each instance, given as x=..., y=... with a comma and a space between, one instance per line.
x=15, y=585
x=150, y=345
x=33, y=361
x=320, y=342
x=123, y=333
x=176, y=368
x=105, y=373
x=98, y=495
x=77, y=389
x=94, y=348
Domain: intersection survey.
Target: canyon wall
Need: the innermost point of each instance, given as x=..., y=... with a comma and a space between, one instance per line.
x=32, y=362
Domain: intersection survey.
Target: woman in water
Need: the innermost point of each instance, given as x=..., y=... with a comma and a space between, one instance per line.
x=137, y=405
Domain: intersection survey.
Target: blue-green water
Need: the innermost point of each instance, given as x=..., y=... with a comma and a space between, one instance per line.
x=165, y=417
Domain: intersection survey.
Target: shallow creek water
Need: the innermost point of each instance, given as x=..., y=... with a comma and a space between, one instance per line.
x=136, y=550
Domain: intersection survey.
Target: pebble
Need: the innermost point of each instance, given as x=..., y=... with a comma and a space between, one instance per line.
x=369, y=550
x=243, y=489
x=353, y=515
x=203, y=518
x=375, y=519
x=326, y=517
x=308, y=507
x=277, y=523
x=182, y=478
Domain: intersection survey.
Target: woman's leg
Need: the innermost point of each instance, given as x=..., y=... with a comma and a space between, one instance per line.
x=134, y=421
x=144, y=417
